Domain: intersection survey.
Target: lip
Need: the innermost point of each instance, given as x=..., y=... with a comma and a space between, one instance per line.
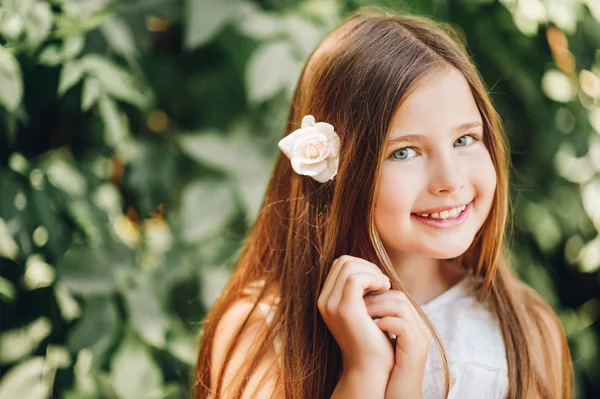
x=445, y=223
x=441, y=208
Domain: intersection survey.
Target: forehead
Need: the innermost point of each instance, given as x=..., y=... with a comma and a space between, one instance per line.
x=438, y=103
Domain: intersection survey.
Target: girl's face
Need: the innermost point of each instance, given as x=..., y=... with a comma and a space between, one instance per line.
x=435, y=163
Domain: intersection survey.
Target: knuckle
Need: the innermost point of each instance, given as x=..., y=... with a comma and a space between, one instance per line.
x=353, y=279
x=330, y=308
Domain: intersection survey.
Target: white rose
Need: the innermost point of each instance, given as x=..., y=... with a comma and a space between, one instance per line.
x=313, y=149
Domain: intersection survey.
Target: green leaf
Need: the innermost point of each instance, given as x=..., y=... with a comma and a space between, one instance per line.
x=71, y=73
x=181, y=343
x=115, y=125
x=38, y=23
x=222, y=152
x=91, y=93
x=24, y=380
x=268, y=71
x=115, y=80
x=11, y=82
x=54, y=55
x=69, y=308
x=204, y=18
x=8, y=291
x=256, y=23
x=87, y=272
x=119, y=37
x=211, y=148
x=17, y=343
x=145, y=310
x=51, y=56
x=73, y=46
x=8, y=246
x=97, y=328
x=133, y=372
x=206, y=207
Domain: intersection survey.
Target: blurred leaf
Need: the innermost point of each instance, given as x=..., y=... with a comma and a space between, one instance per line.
x=17, y=343
x=256, y=23
x=145, y=310
x=115, y=126
x=38, y=22
x=204, y=18
x=181, y=343
x=211, y=148
x=268, y=71
x=114, y=80
x=8, y=292
x=206, y=207
x=69, y=308
x=119, y=37
x=97, y=328
x=91, y=93
x=133, y=372
x=8, y=246
x=70, y=75
x=87, y=272
x=251, y=175
x=54, y=55
x=11, y=83
x=303, y=32
x=24, y=381
x=51, y=56
x=63, y=173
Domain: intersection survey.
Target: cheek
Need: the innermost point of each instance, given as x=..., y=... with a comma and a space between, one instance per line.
x=397, y=192
x=484, y=176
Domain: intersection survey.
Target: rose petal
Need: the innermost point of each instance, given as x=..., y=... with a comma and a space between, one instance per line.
x=308, y=169
x=299, y=149
x=286, y=144
x=333, y=164
x=324, y=176
x=325, y=128
x=333, y=145
x=308, y=121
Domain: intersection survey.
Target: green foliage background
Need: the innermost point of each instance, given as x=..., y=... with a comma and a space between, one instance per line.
x=137, y=138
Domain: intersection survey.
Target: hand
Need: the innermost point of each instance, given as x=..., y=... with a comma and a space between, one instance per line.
x=398, y=316
x=365, y=348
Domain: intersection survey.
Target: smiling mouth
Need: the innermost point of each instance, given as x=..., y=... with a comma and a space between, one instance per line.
x=444, y=215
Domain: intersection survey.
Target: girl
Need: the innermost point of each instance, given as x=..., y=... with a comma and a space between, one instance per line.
x=382, y=232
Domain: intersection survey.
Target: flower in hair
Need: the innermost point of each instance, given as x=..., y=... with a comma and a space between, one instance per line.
x=313, y=149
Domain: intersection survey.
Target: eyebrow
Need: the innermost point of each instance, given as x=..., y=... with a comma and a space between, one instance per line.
x=422, y=137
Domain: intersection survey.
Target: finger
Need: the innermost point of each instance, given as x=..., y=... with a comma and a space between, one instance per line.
x=398, y=327
x=354, y=289
x=399, y=296
x=380, y=282
x=399, y=309
x=330, y=280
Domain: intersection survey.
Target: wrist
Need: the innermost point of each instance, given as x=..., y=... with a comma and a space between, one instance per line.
x=361, y=383
x=405, y=384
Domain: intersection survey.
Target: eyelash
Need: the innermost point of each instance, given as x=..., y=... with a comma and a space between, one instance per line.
x=475, y=138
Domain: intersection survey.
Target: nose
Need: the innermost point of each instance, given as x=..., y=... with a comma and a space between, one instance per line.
x=447, y=175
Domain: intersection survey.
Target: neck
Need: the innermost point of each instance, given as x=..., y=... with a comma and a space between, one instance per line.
x=425, y=278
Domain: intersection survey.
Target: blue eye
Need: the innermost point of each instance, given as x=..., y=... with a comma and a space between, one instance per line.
x=464, y=140
x=402, y=154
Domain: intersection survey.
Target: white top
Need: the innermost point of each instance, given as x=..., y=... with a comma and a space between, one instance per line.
x=473, y=342
x=474, y=346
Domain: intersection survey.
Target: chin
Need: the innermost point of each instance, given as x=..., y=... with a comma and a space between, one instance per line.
x=449, y=252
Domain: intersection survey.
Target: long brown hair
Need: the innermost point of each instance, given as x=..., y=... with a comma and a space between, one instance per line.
x=356, y=80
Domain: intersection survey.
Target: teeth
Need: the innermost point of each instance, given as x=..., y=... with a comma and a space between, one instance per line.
x=451, y=213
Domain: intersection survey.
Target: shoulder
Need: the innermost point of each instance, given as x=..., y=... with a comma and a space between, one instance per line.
x=236, y=350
